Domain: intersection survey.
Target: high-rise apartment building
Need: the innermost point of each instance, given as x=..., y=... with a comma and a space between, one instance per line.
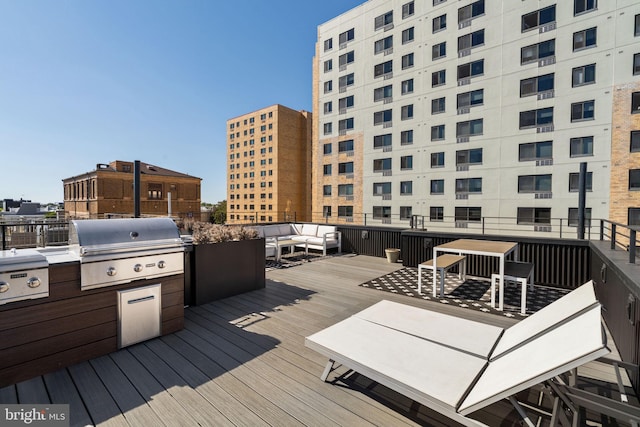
x=268, y=166
x=472, y=112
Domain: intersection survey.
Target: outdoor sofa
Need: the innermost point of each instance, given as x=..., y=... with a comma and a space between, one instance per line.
x=310, y=236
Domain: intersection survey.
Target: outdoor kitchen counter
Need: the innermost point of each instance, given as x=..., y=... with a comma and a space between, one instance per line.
x=72, y=325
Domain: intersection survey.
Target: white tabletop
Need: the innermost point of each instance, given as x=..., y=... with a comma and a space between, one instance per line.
x=478, y=246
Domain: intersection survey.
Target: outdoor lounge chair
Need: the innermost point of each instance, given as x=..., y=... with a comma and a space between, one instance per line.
x=457, y=366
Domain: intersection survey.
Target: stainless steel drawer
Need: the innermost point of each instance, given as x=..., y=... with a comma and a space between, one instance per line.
x=139, y=315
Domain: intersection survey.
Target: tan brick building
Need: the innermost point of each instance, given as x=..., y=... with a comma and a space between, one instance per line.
x=108, y=191
x=268, y=166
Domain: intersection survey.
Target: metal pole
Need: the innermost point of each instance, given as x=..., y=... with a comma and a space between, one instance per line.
x=136, y=189
x=632, y=246
x=582, y=197
x=169, y=204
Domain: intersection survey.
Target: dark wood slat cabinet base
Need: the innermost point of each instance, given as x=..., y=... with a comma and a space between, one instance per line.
x=70, y=326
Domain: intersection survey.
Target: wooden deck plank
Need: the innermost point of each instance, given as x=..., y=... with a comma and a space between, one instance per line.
x=134, y=407
x=62, y=390
x=32, y=391
x=102, y=409
x=8, y=394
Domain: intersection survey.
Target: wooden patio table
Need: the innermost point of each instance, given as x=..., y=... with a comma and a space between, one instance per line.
x=475, y=247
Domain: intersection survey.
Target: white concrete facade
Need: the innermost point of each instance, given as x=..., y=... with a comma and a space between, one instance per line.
x=501, y=64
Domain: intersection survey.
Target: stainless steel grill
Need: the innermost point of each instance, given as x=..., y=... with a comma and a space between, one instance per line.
x=24, y=274
x=117, y=251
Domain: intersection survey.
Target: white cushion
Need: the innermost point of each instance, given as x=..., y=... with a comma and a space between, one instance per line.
x=309, y=229
x=300, y=238
x=323, y=229
x=297, y=228
x=284, y=230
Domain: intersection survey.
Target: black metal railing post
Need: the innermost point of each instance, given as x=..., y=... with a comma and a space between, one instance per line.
x=365, y=219
x=601, y=229
x=632, y=246
x=483, y=225
x=4, y=237
x=613, y=236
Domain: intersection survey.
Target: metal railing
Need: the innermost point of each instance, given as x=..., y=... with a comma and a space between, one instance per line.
x=33, y=233
x=621, y=236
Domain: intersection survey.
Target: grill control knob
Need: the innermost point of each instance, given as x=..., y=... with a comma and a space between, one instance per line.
x=137, y=268
x=33, y=282
x=162, y=264
x=4, y=287
x=111, y=271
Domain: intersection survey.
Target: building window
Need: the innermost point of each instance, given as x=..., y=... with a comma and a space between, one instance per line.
x=380, y=141
x=573, y=217
x=346, y=59
x=635, y=141
x=328, y=128
x=383, y=45
x=538, y=17
x=406, y=162
x=437, y=160
x=636, y=26
x=534, y=183
x=468, y=214
x=406, y=187
x=583, y=75
x=438, y=105
x=469, y=157
x=634, y=179
x=327, y=148
x=155, y=191
x=328, y=45
x=407, y=61
x=635, y=103
x=574, y=182
x=407, y=35
x=347, y=36
x=468, y=185
x=471, y=11
x=633, y=216
x=346, y=167
x=469, y=128
x=345, y=124
x=471, y=69
x=383, y=93
x=382, y=69
x=345, y=190
x=636, y=64
x=582, y=111
x=345, y=211
x=381, y=188
x=470, y=99
x=584, y=39
x=438, y=78
x=436, y=213
x=407, y=9
x=537, y=51
x=380, y=165
x=383, y=20
x=533, y=118
x=326, y=190
x=326, y=170
x=439, y=23
x=439, y=50
x=541, y=150
x=346, y=102
x=328, y=107
x=406, y=137
x=469, y=41
x=582, y=146
x=328, y=86
x=405, y=212
x=380, y=212
x=328, y=65
x=407, y=86
x=345, y=81
x=534, y=216
x=437, y=133
x=380, y=117
x=437, y=186
x=582, y=6
x=406, y=112
x=536, y=85
x=345, y=146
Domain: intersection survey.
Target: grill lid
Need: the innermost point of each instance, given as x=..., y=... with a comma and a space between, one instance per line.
x=21, y=259
x=94, y=236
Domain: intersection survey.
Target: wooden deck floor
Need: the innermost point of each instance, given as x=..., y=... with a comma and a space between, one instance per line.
x=242, y=361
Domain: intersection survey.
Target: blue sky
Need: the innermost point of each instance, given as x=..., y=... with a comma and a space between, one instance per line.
x=91, y=81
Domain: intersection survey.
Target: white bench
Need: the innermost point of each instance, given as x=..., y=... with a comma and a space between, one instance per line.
x=516, y=272
x=444, y=263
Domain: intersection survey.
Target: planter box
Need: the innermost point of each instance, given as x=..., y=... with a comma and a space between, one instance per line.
x=221, y=270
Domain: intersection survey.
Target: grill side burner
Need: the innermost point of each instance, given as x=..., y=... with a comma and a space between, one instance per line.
x=117, y=251
x=24, y=274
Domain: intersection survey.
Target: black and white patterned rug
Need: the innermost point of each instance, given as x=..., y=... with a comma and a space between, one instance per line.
x=472, y=293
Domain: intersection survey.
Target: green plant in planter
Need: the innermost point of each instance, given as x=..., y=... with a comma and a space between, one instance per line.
x=205, y=232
